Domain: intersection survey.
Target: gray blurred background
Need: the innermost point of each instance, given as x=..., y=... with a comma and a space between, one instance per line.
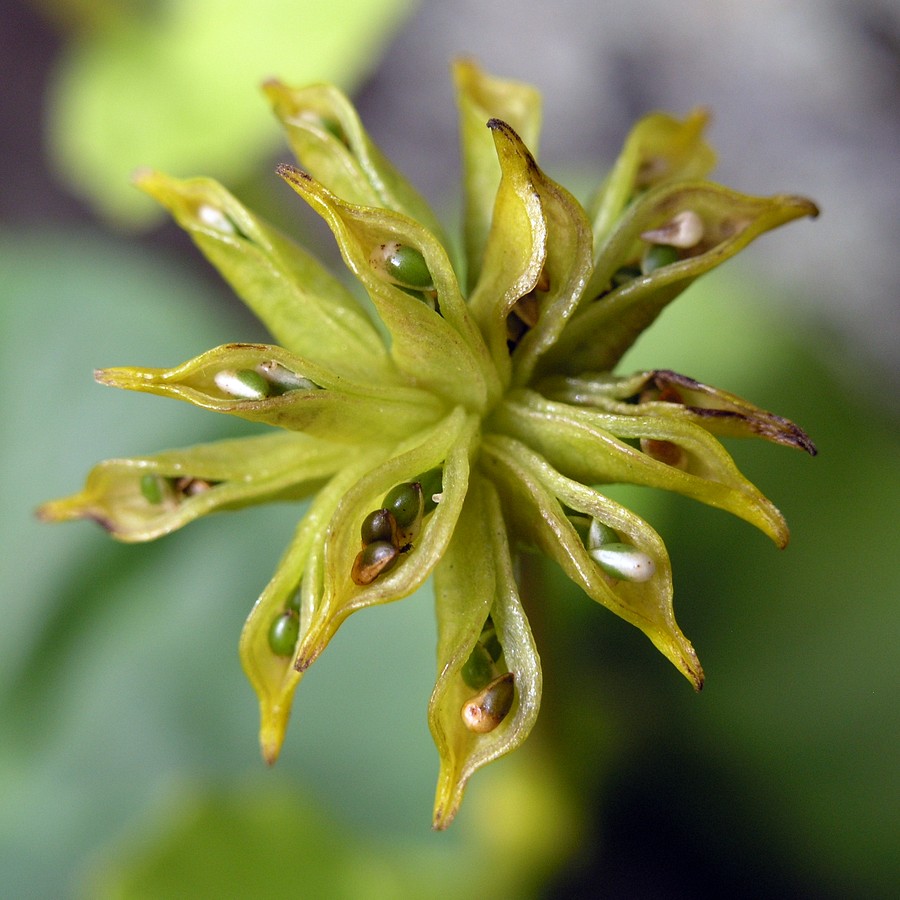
x=805, y=97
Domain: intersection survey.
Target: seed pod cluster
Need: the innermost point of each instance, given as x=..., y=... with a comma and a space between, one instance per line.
x=387, y=532
x=268, y=379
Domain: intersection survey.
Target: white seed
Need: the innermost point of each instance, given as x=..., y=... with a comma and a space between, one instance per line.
x=213, y=217
x=683, y=230
x=623, y=561
x=244, y=384
x=283, y=378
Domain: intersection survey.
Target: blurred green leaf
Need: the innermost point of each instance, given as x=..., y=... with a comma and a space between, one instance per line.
x=264, y=840
x=173, y=85
x=266, y=837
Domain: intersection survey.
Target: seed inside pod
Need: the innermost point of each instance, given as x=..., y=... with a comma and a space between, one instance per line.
x=478, y=670
x=243, y=384
x=401, y=265
x=283, y=633
x=490, y=706
x=154, y=488
x=623, y=561
x=378, y=525
x=372, y=560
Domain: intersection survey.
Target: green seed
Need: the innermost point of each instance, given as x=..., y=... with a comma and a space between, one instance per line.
x=488, y=708
x=492, y=644
x=378, y=525
x=407, y=267
x=402, y=265
x=334, y=129
x=293, y=602
x=581, y=524
x=600, y=534
x=479, y=668
x=624, y=275
x=153, y=488
x=244, y=384
x=657, y=256
x=623, y=561
x=404, y=501
x=283, y=633
x=431, y=483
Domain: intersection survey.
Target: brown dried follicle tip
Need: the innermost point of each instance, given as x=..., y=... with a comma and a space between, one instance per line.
x=490, y=706
x=292, y=173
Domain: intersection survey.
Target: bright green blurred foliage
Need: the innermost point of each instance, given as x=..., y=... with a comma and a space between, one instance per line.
x=175, y=85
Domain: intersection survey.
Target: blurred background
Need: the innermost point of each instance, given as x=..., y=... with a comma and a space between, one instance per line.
x=128, y=756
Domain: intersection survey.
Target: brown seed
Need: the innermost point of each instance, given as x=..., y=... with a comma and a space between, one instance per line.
x=490, y=706
x=372, y=560
x=666, y=452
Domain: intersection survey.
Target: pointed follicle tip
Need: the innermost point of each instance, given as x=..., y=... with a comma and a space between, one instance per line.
x=292, y=173
x=270, y=752
x=271, y=736
x=141, y=175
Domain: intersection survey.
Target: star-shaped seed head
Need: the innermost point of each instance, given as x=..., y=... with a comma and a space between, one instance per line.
x=479, y=418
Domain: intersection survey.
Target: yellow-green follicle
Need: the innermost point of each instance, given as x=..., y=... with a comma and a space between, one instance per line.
x=507, y=393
